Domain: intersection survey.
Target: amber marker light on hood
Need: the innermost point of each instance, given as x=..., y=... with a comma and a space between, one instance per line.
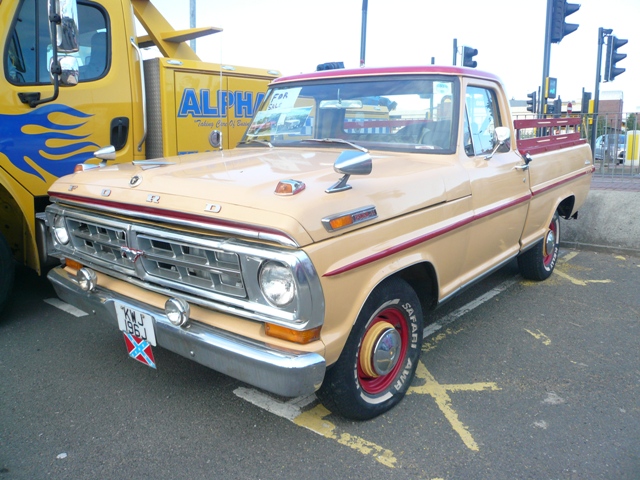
x=297, y=336
x=289, y=187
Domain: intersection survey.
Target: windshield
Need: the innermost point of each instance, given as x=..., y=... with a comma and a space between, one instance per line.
x=417, y=113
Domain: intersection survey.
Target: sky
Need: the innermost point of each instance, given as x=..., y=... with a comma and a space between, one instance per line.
x=294, y=36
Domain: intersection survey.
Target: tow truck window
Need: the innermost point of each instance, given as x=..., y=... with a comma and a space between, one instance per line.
x=28, y=54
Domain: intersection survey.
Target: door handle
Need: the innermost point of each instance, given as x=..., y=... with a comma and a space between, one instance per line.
x=521, y=168
x=119, y=132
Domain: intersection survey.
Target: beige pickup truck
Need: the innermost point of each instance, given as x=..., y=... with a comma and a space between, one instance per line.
x=308, y=258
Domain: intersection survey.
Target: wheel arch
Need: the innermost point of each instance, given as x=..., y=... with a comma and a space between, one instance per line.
x=422, y=278
x=566, y=206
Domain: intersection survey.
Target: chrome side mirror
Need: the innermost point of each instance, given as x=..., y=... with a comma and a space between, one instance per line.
x=501, y=135
x=350, y=163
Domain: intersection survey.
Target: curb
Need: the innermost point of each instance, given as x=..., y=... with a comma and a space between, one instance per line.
x=608, y=221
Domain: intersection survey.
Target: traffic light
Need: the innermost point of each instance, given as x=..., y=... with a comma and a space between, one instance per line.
x=531, y=104
x=613, y=57
x=467, y=57
x=584, y=104
x=557, y=107
x=550, y=87
x=561, y=10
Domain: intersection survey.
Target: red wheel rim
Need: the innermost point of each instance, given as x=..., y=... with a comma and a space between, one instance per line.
x=376, y=385
x=553, y=230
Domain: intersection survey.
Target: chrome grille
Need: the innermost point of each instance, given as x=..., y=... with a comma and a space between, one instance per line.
x=182, y=264
x=99, y=241
x=193, y=265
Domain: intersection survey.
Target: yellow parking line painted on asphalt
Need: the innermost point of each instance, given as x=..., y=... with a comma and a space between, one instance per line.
x=439, y=393
x=314, y=420
x=433, y=341
x=568, y=257
x=575, y=281
x=539, y=336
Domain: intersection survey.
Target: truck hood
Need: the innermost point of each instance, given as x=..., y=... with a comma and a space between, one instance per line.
x=236, y=187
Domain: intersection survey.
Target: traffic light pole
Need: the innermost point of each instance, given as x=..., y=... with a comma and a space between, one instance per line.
x=596, y=97
x=547, y=58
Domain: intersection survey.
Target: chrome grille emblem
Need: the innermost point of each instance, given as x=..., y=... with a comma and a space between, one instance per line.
x=135, y=181
x=131, y=254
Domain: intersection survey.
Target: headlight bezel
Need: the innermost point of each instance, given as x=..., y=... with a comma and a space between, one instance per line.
x=274, y=277
x=60, y=230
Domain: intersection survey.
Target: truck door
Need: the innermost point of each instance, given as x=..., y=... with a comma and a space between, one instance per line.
x=39, y=144
x=500, y=188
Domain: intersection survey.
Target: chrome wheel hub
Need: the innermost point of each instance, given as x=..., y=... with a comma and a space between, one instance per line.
x=549, y=243
x=380, y=350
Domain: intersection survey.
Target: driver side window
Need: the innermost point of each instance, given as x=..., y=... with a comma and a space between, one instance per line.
x=28, y=54
x=481, y=117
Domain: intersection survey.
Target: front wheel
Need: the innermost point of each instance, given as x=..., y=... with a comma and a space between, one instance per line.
x=7, y=271
x=380, y=357
x=538, y=262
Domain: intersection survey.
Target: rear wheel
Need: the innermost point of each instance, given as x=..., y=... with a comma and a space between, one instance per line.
x=538, y=262
x=7, y=272
x=380, y=357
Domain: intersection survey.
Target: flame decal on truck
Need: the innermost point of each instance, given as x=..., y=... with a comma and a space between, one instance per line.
x=32, y=138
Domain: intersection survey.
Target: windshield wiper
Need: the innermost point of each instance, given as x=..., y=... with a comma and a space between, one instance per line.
x=261, y=142
x=336, y=140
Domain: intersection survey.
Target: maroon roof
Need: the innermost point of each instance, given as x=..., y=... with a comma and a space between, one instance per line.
x=377, y=71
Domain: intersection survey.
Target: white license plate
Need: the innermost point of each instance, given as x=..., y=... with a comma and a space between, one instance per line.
x=135, y=322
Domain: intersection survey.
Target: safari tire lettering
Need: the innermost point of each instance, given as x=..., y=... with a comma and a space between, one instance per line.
x=350, y=387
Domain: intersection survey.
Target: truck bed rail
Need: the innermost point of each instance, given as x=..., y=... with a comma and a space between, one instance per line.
x=549, y=134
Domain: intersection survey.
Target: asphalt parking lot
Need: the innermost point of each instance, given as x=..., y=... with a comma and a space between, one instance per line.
x=517, y=380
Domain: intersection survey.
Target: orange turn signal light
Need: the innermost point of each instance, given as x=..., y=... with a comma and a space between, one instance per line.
x=297, y=336
x=341, y=222
x=289, y=187
x=73, y=264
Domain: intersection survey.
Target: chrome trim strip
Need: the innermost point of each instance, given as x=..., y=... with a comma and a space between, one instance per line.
x=359, y=215
x=288, y=373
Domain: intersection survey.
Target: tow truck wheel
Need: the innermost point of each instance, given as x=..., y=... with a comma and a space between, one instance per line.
x=538, y=262
x=380, y=357
x=7, y=272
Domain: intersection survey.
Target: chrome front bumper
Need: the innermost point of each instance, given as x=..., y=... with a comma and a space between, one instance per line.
x=283, y=372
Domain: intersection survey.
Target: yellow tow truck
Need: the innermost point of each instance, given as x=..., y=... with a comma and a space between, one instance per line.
x=75, y=86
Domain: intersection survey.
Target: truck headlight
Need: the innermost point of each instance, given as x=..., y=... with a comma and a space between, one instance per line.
x=60, y=230
x=277, y=283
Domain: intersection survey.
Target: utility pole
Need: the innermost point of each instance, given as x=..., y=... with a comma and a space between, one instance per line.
x=192, y=22
x=455, y=50
x=363, y=37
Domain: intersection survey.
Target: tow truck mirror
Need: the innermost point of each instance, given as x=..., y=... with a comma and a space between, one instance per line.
x=69, y=71
x=65, y=39
x=63, y=19
x=67, y=27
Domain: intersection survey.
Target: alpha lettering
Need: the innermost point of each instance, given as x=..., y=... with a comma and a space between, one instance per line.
x=208, y=104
